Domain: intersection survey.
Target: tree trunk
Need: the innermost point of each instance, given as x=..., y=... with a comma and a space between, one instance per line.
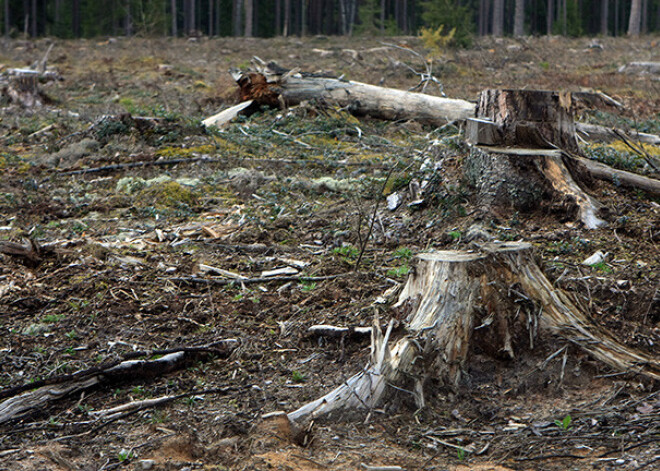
x=76, y=18
x=128, y=19
x=456, y=299
x=237, y=14
x=635, y=18
x=7, y=22
x=519, y=19
x=33, y=27
x=287, y=18
x=175, y=31
x=498, y=18
x=604, y=16
x=382, y=17
x=210, y=19
x=548, y=17
x=249, y=16
x=278, y=17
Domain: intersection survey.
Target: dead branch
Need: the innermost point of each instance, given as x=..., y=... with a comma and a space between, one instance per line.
x=19, y=405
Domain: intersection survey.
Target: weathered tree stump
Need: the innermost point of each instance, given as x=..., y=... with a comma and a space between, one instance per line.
x=522, y=137
x=451, y=294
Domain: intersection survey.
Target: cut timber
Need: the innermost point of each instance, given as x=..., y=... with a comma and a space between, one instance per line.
x=273, y=86
x=537, y=122
x=450, y=296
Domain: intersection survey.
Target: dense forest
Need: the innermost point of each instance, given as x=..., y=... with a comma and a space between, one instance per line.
x=264, y=18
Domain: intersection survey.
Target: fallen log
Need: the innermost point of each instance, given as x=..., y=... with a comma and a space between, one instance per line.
x=594, y=132
x=21, y=404
x=497, y=294
x=272, y=86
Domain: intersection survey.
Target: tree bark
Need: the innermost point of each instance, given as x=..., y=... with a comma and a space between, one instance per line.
x=249, y=16
x=237, y=13
x=498, y=18
x=519, y=19
x=454, y=296
x=604, y=16
x=286, y=30
x=175, y=31
x=635, y=20
x=7, y=22
x=549, y=17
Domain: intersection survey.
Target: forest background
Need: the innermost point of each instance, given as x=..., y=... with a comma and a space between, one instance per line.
x=457, y=20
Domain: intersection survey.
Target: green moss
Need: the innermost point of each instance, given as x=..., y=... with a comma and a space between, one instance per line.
x=169, y=194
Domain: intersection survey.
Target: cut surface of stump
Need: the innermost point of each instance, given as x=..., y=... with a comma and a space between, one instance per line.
x=448, y=296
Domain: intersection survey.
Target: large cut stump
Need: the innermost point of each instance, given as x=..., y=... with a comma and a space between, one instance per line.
x=525, y=140
x=449, y=296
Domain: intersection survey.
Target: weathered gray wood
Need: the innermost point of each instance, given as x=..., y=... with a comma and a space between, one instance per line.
x=448, y=293
x=289, y=88
x=594, y=132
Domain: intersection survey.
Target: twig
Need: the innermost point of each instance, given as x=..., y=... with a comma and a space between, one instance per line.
x=552, y=456
x=373, y=219
x=247, y=281
x=640, y=151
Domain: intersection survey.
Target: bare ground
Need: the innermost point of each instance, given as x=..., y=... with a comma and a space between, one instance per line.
x=119, y=248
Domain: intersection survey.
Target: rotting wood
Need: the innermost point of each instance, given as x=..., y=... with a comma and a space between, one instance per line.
x=24, y=400
x=449, y=293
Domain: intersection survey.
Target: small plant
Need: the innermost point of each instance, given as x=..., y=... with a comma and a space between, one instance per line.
x=298, y=377
x=69, y=351
x=602, y=266
x=436, y=39
x=138, y=390
x=403, y=253
x=565, y=423
x=307, y=286
x=71, y=335
x=124, y=455
x=53, y=318
x=455, y=235
x=347, y=252
x=398, y=272
x=191, y=401
x=460, y=452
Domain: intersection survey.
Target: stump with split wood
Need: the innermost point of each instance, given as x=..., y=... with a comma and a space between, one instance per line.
x=452, y=296
x=524, y=140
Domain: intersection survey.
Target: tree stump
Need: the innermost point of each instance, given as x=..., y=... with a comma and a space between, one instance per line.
x=521, y=139
x=450, y=295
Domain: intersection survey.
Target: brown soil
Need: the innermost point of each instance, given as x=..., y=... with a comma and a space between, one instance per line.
x=116, y=253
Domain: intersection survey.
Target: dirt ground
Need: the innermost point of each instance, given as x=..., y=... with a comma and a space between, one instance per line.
x=126, y=254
